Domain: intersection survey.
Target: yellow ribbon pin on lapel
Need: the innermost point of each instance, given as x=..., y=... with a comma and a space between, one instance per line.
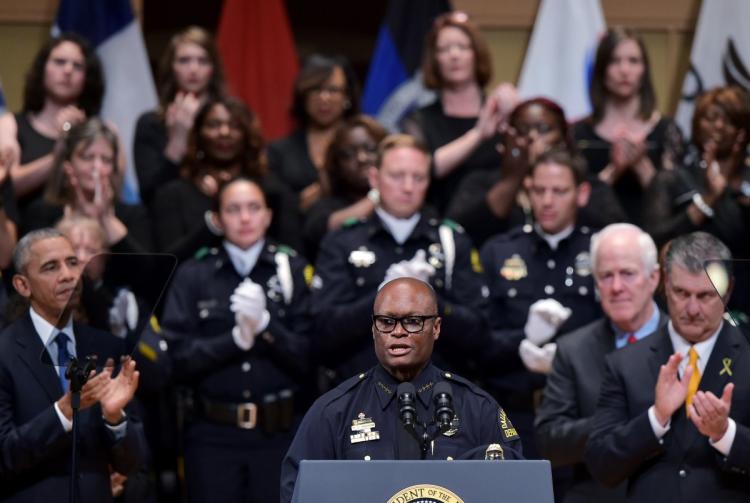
x=727, y=362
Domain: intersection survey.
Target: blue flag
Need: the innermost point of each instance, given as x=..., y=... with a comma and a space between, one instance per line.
x=113, y=31
x=394, y=85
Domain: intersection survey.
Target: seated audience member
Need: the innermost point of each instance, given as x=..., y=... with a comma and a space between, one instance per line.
x=225, y=142
x=672, y=417
x=35, y=400
x=401, y=238
x=326, y=93
x=346, y=192
x=626, y=141
x=540, y=286
x=236, y=319
x=189, y=75
x=85, y=181
x=405, y=326
x=8, y=233
x=626, y=274
x=64, y=86
x=460, y=128
x=490, y=202
x=711, y=192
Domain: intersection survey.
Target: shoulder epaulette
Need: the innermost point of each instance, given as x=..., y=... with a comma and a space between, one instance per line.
x=452, y=224
x=287, y=250
x=205, y=252
x=352, y=222
x=348, y=385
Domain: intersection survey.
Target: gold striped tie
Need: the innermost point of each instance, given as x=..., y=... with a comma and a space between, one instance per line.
x=695, y=378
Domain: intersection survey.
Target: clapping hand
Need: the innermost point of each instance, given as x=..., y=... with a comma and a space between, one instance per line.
x=248, y=303
x=545, y=317
x=670, y=391
x=118, y=391
x=537, y=359
x=710, y=414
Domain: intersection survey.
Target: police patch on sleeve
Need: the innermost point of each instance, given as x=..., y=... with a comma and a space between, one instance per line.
x=509, y=432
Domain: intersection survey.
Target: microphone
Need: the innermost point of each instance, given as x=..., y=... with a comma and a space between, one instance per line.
x=442, y=396
x=406, y=406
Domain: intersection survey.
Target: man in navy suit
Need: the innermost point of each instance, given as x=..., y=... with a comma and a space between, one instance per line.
x=666, y=420
x=35, y=403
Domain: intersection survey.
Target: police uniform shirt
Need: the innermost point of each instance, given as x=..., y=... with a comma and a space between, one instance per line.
x=520, y=268
x=360, y=419
x=352, y=262
x=197, y=324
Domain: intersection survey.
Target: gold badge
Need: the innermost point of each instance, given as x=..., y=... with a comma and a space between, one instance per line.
x=583, y=264
x=362, y=257
x=362, y=429
x=425, y=493
x=514, y=268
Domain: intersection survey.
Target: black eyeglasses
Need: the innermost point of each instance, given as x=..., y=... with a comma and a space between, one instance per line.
x=413, y=323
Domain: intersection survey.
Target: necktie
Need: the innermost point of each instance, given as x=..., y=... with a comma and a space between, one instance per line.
x=695, y=378
x=632, y=339
x=63, y=358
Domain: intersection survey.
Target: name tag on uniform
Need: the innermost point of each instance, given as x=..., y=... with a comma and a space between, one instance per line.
x=362, y=429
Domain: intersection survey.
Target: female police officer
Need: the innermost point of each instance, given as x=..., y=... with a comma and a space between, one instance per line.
x=236, y=323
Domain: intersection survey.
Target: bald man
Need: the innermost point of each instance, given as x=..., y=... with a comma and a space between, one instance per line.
x=360, y=418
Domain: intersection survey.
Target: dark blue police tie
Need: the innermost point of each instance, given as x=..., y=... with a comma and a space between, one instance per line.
x=63, y=358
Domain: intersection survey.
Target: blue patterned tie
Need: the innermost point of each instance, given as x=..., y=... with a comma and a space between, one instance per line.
x=63, y=358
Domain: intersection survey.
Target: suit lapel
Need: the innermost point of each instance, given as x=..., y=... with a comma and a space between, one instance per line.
x=30, y=351
x=661, y=350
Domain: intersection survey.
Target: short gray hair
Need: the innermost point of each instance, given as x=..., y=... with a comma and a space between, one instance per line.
x=692, y=251
x=649, y=254
x=22, y=252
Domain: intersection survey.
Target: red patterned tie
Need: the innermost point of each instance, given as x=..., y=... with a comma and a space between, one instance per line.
x=632, y=339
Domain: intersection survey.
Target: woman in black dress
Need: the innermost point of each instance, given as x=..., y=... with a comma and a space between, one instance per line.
x=626, y=141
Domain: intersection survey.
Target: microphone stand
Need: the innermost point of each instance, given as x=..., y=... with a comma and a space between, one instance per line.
x=77, y=374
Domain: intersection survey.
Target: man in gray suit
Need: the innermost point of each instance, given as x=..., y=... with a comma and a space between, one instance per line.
x=626, y=272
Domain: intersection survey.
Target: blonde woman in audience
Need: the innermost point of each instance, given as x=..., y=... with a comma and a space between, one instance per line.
x=85, y=181
x=190, y=74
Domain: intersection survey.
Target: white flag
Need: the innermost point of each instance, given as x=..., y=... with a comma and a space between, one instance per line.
x=561, y=54
x=720, y=55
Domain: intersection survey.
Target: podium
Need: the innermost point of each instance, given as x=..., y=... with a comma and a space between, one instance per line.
x=423, y=482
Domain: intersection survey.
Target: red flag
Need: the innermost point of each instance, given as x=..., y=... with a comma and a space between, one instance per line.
x=257, y=46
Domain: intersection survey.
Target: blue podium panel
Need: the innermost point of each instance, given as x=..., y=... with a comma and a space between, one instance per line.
x=423, y=482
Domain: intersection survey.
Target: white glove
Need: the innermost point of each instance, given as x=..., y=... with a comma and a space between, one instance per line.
x=537, y=359
x=545, y=317
x=123, y=315
x=248, y=303
x=417, y=267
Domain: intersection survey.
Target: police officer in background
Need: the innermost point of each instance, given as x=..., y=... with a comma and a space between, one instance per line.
x=237, y=325
x=540, y=285
x=400, y=239
x=364, y=418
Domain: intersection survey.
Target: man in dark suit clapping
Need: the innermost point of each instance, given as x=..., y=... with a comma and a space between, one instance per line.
x=35, y=403
x=666, y=420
